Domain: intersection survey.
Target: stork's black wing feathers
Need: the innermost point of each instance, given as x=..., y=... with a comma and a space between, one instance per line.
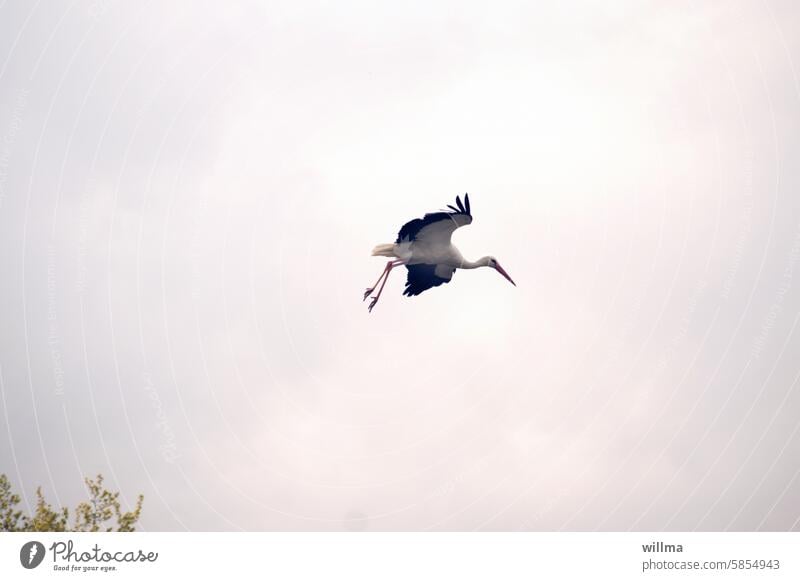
x=410, y=229
x=421, y=277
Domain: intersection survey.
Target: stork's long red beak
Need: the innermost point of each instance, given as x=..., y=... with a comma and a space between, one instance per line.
x=502, y=271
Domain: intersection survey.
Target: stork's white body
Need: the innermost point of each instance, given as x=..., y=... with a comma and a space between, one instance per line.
x=421, y=252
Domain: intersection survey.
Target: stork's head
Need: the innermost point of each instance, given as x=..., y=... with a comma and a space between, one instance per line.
x=491, y=261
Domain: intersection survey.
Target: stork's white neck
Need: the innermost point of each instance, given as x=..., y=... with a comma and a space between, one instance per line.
x=477, y=263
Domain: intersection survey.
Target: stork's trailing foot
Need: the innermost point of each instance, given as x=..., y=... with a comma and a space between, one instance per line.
x=384, y=276
x=370, y=290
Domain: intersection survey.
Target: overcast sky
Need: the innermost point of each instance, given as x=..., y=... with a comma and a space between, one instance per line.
x=189, y=193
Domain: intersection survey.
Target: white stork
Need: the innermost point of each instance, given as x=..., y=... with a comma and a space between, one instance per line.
x=423, y=246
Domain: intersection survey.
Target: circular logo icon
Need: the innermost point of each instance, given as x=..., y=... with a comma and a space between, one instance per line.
x=31, y=554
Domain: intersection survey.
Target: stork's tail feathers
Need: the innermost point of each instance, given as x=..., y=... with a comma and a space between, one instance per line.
x=384, y=250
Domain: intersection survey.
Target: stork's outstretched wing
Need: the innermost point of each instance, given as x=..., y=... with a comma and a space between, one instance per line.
x=421, y=277
x=438, y=227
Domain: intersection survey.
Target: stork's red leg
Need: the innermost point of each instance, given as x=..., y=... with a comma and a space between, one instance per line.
x=377, y=282
x=385, y=277
x=385, y=272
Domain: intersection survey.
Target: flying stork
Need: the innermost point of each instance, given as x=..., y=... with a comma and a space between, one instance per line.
x=423, y=246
